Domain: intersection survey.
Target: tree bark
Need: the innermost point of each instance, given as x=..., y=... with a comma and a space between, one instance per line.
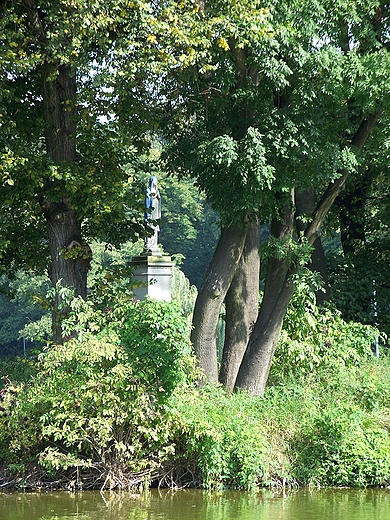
x=254, y=370
x=70, y=257
x=305, y=204
x=211, y=295
x=242, y=304
x=278, y=290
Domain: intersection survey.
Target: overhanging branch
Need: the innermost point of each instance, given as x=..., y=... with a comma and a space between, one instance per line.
x=336, y=186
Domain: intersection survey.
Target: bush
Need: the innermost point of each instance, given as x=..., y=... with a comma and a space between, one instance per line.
x=335, y=424
x=119, y=400
x=314, y=338
x=98, y=399
x=16, y=370
x=223, y=437
x=343, y=446
x=156, y=338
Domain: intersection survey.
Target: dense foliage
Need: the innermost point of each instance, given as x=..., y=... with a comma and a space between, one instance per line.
x=99, y=400
x=278, y=111
x=118, y=406
x=314, y=338
x=98, y=187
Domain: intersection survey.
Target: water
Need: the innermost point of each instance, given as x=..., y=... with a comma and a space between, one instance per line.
x=198, y=505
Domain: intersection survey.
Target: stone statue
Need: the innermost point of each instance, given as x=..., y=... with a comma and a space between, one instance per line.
x=152, y=216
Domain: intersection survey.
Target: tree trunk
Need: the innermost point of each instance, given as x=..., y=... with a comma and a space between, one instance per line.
x=242, y=303
x=318, y=265
x=255, y=367
x=305, y=204
x=253, y=373
x=211, y=295
x=278, y=290
x=70, y=256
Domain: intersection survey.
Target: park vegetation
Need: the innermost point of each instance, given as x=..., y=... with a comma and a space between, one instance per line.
x=117, y=406
x=267, y=125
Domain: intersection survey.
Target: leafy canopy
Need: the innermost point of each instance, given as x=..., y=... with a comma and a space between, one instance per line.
x=90, y=40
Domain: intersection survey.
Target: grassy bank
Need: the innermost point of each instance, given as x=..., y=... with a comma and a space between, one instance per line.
x=323, y=429
x=326, y=430
x=118, y=407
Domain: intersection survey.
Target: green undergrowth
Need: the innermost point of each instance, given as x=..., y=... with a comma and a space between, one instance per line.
x=120, y=404
x=335, y=425
x=323, y=430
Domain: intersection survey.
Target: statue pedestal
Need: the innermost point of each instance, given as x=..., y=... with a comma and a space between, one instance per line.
x=154, y=272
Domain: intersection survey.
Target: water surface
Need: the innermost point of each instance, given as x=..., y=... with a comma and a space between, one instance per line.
x=339, y=504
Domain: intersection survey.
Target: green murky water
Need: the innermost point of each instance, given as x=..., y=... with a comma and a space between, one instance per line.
x=371, y=504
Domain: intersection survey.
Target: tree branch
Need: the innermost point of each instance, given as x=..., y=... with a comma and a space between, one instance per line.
x=35, y=20
x=335, y=187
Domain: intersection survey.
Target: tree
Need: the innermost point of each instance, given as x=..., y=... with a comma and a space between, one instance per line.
x=17, y=309
x=189, y=226
x=62, y=155
x=283, y=99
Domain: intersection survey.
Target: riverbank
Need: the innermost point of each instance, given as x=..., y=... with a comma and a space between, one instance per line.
x=327, y=428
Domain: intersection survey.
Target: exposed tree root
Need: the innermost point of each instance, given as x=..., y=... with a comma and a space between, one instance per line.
x=98, y=477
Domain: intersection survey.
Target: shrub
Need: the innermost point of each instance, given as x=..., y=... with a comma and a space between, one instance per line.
x=343, y=446
x=156, y=338
x=313, y=338
x=223, y=437
x=98, y=399
x=119, y=400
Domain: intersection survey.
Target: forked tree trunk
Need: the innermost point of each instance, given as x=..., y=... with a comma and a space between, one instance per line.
x=211, y=295
x=224, y=263
x=254, y=370
x=242, y=304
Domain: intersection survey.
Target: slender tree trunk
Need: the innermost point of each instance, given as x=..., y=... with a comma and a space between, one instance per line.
x=352, y=204
x=211, y=295
x=305, y=204
x=242, y=303
x=318, y=265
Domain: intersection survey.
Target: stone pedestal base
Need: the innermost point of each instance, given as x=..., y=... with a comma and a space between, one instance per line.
x=154, y=273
